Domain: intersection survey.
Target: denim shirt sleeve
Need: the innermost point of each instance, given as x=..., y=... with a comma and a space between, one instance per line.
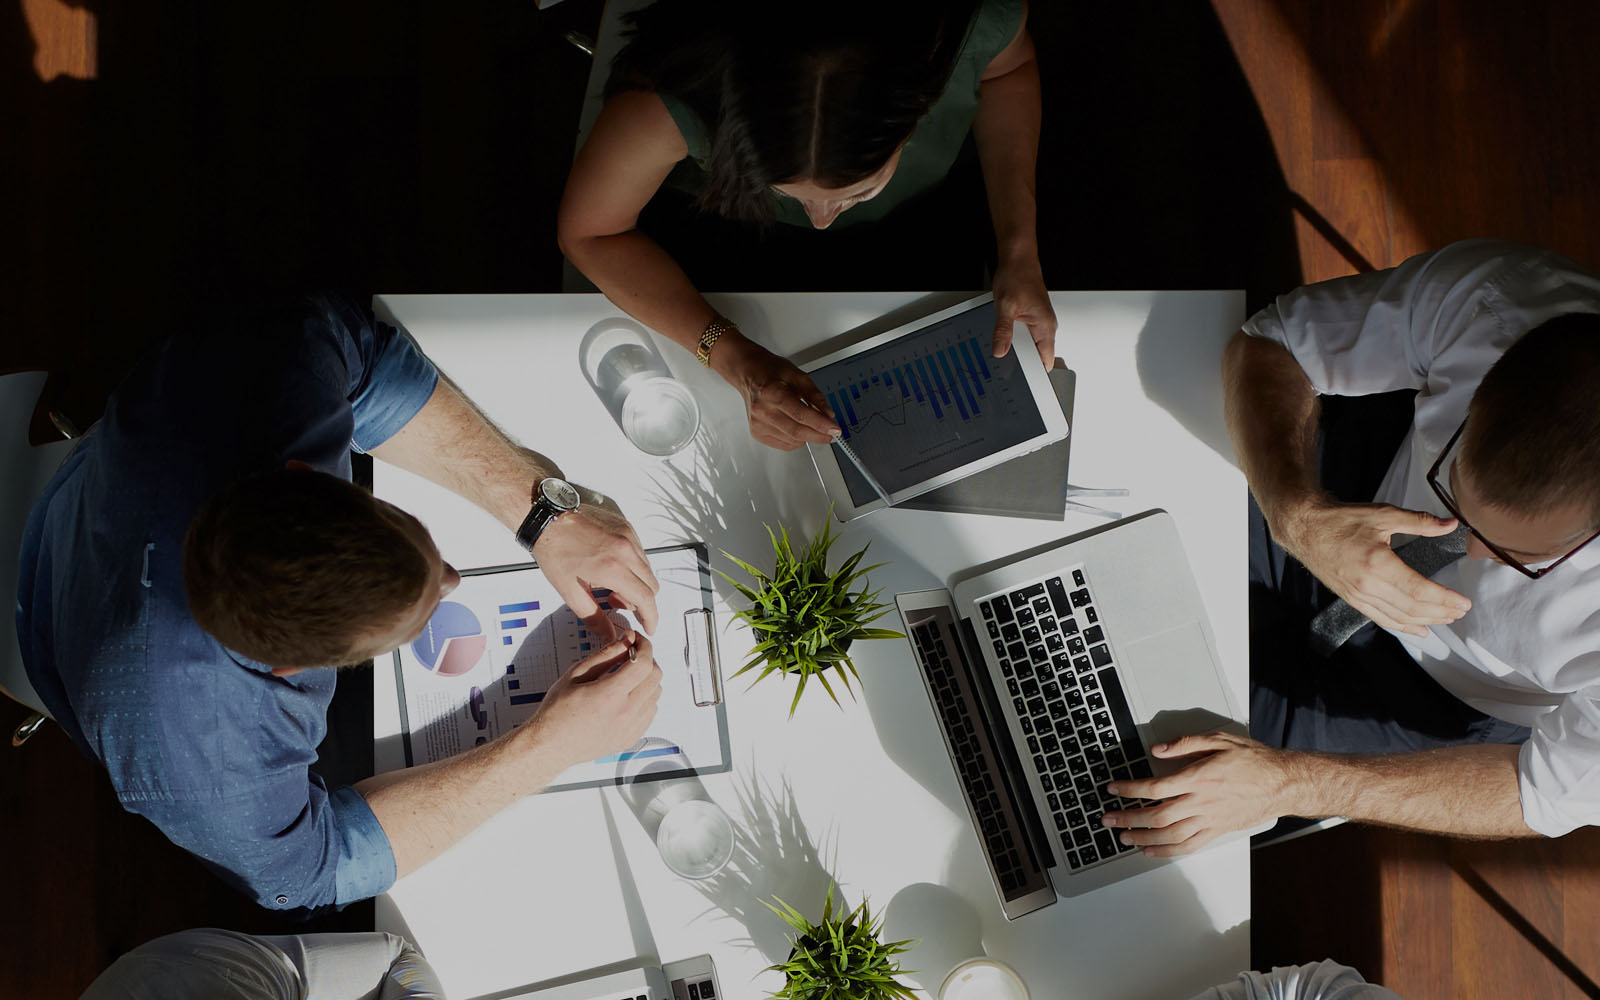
x=398, y=385
x=388, y=378
x=288, y=842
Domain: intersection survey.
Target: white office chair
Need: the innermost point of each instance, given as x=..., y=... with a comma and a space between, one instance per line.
x=27, y=470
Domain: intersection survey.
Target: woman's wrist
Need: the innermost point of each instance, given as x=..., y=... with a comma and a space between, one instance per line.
x=1021, y=250
x=727, y=355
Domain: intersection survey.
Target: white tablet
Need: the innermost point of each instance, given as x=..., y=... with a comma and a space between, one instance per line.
x=926, y=404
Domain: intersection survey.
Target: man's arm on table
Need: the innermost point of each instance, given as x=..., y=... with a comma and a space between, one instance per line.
x=1272, y=411
x=587, y=714
x=452, y=443
x=1236, y=783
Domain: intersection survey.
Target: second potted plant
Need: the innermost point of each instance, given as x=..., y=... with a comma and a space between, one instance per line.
x=840, y=958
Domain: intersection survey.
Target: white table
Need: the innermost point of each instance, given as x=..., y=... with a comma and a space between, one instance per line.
x=569, y=881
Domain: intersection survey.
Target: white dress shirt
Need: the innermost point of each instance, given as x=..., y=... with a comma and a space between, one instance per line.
x=1529, y=650
x=1324, y=980
x=207, y=963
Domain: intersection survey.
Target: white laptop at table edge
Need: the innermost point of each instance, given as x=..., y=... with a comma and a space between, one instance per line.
x=1161, y=607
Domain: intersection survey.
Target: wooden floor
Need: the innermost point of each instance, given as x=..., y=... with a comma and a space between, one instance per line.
x=1401, y=125
x=180, y=152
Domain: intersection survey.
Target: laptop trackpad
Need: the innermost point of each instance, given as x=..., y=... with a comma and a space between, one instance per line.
x=1178, y=687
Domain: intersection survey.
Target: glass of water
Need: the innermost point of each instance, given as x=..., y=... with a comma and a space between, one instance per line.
x=696, y=838
x=656, y=412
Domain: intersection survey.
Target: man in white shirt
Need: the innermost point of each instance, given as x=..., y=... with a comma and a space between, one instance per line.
x=1502, y=345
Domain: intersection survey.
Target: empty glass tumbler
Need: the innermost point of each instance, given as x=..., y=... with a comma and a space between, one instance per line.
x=656, y=412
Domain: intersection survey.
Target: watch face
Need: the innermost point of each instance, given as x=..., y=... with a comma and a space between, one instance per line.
x=560, y=493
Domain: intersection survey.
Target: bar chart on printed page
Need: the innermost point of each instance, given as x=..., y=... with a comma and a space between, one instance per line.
x=932, y=401
x=488, y=657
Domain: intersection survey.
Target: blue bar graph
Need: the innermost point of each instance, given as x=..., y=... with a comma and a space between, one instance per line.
x=513, y=685
x=505, y=640
x=950, y=379
x=922, y=373
x=638, y=755
x=527, y=699
x=955, y=390
x=963, y=377
x=973, y=364
x=977, y=352
x=511, y=609
x=514, y=623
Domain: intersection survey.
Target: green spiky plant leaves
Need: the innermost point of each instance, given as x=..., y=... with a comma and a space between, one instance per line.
x=840, y=958
x=805, y=618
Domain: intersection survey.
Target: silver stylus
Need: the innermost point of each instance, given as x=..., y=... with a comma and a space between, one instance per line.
x=861, y=467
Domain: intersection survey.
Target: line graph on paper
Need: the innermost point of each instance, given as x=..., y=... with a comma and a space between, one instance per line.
x=930, y=402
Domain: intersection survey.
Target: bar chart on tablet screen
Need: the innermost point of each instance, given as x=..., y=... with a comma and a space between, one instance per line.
x=929, y=402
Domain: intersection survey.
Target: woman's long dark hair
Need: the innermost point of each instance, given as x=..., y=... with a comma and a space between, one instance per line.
x=828, y=97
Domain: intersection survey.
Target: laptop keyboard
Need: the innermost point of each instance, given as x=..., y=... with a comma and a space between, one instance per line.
x=976, y=769
x=698, y=989
x=1062, y=680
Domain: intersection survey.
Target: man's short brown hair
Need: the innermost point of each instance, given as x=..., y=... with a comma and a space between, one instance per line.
x=294, y=567
x=1532, y=440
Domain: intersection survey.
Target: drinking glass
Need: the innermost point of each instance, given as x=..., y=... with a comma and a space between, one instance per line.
x=656, y=412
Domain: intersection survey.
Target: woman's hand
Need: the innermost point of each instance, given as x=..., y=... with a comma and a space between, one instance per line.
x=1020, y=297
x=785, y=407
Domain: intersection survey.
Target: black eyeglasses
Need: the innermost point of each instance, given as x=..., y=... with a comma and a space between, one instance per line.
x=1450, y=505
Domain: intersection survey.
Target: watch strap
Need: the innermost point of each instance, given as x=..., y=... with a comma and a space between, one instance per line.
x=539, y=517
x=709, y=337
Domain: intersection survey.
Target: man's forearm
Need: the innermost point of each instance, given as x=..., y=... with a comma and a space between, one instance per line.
x=1007, y=135
x=424, y=810
x=452, y=443
x=1469, y=791
x=1272, y=412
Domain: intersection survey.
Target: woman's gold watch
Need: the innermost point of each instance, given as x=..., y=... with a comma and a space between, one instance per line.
x=709, y=337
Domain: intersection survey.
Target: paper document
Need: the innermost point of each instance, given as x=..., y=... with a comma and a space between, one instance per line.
x=498, y=642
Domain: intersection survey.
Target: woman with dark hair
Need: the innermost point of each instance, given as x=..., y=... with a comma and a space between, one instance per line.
x=843, y=114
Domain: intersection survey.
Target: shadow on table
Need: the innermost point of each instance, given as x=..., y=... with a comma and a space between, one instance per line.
x=775, y=856
x=1180, y=368
x=1161, y=905
x=944, y=926
x=891, y=686
x=726, y=489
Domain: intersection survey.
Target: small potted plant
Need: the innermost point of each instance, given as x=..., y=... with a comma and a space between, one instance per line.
x=840, y=958
x=804, y=618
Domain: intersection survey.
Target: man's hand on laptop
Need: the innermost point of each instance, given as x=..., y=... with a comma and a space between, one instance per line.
x=604, y=704
x=595, y=546
x=1346, y=546
x=1233, y=783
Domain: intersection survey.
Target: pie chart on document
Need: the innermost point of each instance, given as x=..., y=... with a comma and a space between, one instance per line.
x=453, y=642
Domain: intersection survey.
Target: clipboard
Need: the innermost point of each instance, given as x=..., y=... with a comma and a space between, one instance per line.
x=494, y=646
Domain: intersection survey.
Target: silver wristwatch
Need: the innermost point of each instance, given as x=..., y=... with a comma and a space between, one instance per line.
x=552, y=498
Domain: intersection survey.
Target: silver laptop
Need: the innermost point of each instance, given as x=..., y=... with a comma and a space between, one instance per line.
x=690, y=979
x=1051, y=673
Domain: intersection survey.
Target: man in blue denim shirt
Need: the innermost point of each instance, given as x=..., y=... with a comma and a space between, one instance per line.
x=195, y=694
